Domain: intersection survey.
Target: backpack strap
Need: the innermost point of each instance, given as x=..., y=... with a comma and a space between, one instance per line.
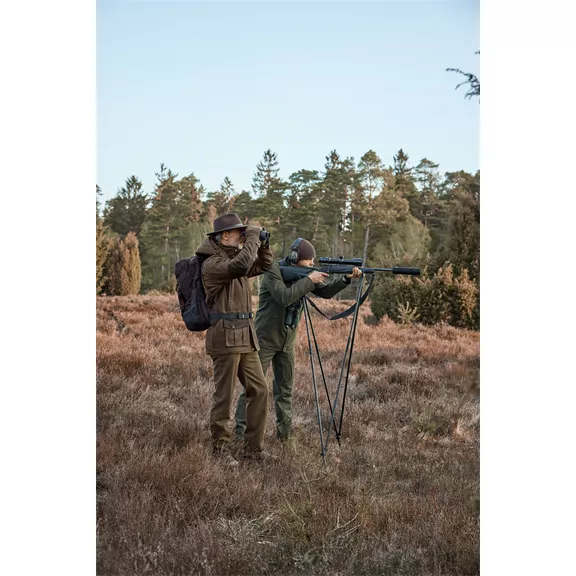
x=210, y=300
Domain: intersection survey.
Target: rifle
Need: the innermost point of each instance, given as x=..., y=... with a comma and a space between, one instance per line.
x=344, y=266
x=291, y=273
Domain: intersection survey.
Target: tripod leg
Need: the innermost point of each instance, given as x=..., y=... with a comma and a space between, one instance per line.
x=347, y=354
x=307, y=311
x=342, y=368
x=323, y=453
x=354, y=325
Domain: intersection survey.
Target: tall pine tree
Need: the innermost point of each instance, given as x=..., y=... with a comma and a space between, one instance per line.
x=427, y=205
x=243, y=204
x=371, y=180
x=270, y=206
x=127, y=210
x=461, y=243
x=266, y=174
x=102, y=246
x=377, y=205
x=173, y=228
x=337, y=185
x=222, y=199
x=305, y=205
x=403, y=175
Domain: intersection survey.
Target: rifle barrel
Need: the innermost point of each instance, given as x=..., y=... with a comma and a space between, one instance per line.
x=395, y=270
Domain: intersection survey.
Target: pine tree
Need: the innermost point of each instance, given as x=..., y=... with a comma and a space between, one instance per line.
x=102, y=246
x=244, y=206
x=98, y=206
x=471, y=79
x=427, y=204
x=190, y=192
x=404, y=242
x=127, y=210
x=337, y=185
x=377, y=204
x=371, y=179
x=461, y=241
x=163, y=222
x=304, y=199
x=270, y=206
x=172, y=228
x=223, y=199
x=266, y=174
x=403, y=174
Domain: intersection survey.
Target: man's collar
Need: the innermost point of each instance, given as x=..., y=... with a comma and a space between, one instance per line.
x=230, y=251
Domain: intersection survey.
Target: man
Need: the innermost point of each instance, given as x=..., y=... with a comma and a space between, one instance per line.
x=231, y=341
x=279, y=312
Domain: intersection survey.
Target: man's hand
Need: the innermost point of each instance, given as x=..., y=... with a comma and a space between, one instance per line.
x=253, y=231
x=317, y=277
x=356, y=273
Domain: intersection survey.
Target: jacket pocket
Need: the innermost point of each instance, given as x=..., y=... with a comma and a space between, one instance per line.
x=237, y=332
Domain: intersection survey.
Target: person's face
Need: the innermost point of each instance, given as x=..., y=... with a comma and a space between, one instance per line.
x=231, y=237
x=306, y=263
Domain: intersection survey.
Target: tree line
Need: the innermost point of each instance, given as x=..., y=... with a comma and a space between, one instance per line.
x=401, y=213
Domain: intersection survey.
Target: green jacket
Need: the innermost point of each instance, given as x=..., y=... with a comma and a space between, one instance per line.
x=275, y=296
x=225, y=274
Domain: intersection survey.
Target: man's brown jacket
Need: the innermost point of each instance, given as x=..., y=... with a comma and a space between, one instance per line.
x=225, y=274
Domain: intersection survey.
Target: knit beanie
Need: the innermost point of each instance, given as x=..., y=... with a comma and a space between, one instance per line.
x=306, y=250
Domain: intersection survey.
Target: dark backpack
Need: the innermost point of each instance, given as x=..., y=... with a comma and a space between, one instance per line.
x=191, y=296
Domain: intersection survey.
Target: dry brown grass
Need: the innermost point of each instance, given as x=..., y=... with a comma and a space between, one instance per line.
x=398, y=497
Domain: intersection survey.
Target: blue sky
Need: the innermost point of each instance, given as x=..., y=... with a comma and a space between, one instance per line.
x=207, y=87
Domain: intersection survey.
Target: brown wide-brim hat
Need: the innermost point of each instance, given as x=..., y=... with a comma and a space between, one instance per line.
x=227, y=222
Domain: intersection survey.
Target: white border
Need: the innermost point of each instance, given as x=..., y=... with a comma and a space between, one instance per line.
x=527, y=286
x=48, y=105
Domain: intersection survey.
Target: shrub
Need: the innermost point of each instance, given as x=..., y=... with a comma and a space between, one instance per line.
x=122, y=267
x=442, y=298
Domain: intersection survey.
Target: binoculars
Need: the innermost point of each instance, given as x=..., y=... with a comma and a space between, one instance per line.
x=264, y=237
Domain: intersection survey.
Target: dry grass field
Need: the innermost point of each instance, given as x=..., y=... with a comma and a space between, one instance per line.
x=398, y=497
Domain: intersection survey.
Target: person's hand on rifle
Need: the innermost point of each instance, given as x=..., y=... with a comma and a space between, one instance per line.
x=317, y=277
x=356, y=273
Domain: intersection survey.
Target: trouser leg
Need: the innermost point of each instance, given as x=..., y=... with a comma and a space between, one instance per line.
x=283, y=366
x=265, y=357
x=252, y=378
x=225, y=373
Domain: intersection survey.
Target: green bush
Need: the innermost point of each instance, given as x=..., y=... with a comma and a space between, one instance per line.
x=443, y=297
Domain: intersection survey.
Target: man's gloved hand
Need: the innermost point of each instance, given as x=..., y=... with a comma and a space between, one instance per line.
x=253, y=231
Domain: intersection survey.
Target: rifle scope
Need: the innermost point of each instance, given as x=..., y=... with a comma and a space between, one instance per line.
x=341, y=260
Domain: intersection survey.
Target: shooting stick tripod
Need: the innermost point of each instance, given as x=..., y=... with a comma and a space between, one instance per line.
x=346, y=362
